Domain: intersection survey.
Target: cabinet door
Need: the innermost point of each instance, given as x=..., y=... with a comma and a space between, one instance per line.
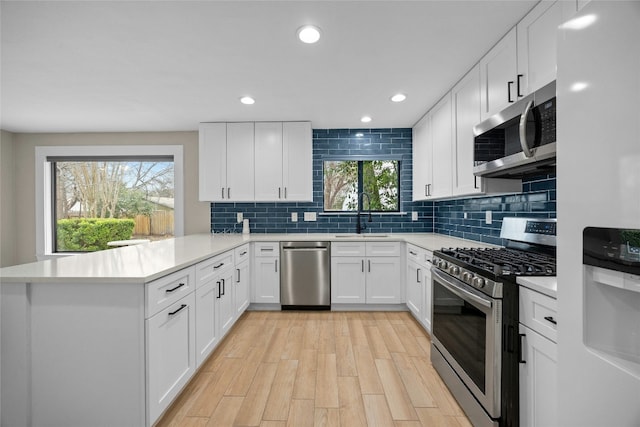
x=383, y=280
x=348, y=280
x=441, y=125
x=268, y=158
x=415, y=288
x=212, y=161
x=241, y=291
x=170, y=353
x=427, y=305
x=498, y=76
x=240, y=162
x=206, y=333
x=537, y=45
x=466, y=107
x=297, y=152
x=266, y=283
x=226, y=310
x=538, y=380
x=421, y=144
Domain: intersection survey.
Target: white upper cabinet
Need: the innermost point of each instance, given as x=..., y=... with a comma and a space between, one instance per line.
x=297, y=161
x=268, y=161
x=422, y=150
x=525, y=59
x=226, y=166
x=498, y=76
x=465, y=98
x=537, y=45
x=432, y=155
x=240, y=161
x=442, y=152
x=466, y=106
x=261, y=162
x=212, y=161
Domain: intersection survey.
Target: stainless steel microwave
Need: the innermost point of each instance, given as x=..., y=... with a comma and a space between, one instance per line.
x=520, y=140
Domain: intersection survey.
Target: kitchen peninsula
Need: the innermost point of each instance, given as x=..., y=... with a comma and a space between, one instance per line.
x=114, y=336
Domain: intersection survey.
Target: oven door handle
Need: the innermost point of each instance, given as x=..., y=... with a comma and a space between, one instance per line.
x=451, y=285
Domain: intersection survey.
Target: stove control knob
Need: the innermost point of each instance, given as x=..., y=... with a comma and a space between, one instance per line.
x=443, y=265
x=455, y=270
x=467, y=277
x=478, y=282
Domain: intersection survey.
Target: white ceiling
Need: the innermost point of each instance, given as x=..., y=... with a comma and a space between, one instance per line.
x=168, y=65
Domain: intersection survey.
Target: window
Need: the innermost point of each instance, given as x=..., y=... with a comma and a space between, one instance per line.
x=135, y=195
x=91, y=196
x=345, y=180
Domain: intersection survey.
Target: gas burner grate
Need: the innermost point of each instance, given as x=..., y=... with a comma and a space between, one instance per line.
x=505, y=261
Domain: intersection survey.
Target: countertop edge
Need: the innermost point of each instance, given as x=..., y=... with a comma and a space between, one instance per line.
x=212, y=245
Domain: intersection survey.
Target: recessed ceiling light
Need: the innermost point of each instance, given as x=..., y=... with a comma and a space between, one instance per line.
x=309, y=34
x=398, y=97
x=247, y=100
x=365, y=119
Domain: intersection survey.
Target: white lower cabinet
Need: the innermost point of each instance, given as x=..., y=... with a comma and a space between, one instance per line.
x=171, y=355
x=539, y=360
x=348, y=280
x=215, y=303
x=207, y=336
x=241, y=292
x=371, y=279
x=418, y=284
x=266, y=273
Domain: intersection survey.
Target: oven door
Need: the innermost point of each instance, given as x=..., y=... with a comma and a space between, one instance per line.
x=466, y=328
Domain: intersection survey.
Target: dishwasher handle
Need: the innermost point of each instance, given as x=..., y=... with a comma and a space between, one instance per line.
x=305, y=248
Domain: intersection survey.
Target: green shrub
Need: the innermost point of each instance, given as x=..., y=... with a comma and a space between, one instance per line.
x=91, y=234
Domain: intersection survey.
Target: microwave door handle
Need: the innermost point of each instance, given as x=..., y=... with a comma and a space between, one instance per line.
x=523, y=130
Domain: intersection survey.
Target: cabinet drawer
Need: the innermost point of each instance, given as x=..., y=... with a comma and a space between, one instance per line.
x=414, y=253
x=348, y=249
x=165, y=291
x=241, y=253
x=211, y=267
x=539, y=312
x=383, y=249
x=268, y=249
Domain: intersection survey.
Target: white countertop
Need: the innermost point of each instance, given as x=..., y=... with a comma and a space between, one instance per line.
x=544, y=285
x=146, y=262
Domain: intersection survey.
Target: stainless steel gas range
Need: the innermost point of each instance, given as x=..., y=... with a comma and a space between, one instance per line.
x=475, y=317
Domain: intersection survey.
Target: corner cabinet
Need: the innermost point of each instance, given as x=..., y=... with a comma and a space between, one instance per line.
x=261, y=162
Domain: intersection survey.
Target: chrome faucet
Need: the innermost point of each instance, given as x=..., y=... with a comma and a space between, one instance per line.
x=359, y=225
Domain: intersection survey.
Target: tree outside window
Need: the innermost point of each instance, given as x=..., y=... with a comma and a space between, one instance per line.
x=97, y=201
x=344, y=180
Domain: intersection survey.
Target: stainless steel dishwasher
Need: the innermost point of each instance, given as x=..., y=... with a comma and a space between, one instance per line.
x=305, y=275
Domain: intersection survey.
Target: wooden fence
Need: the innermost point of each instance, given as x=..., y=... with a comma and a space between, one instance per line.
x=159, y=223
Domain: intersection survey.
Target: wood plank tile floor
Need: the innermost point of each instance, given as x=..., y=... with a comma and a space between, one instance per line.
x=319, y=369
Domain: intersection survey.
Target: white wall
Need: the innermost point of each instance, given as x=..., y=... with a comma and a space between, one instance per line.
x=7, y=211
x=197, y=214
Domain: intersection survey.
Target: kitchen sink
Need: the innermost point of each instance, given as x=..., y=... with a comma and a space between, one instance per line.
x=356, y=236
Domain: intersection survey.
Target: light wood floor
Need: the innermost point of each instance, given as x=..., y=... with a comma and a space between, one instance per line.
x=319, y=369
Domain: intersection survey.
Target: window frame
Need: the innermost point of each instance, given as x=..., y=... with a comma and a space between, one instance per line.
x=45, y=194
x=360, y=160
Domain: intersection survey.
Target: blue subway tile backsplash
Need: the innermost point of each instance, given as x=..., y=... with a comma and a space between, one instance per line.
x=445, y=217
